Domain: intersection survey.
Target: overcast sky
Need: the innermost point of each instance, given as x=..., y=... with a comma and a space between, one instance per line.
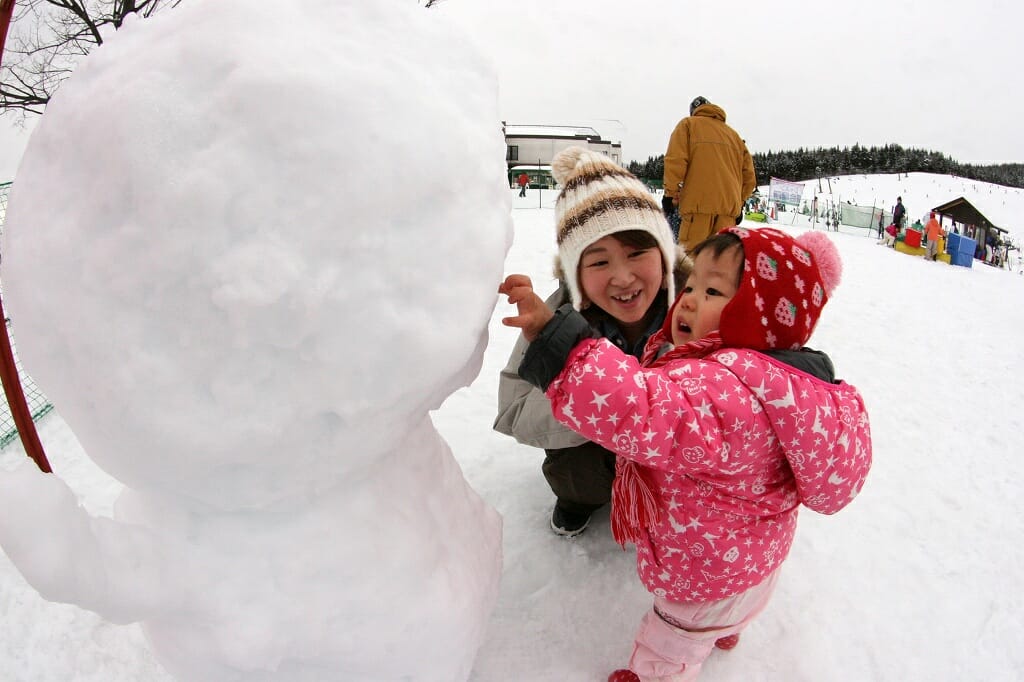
x=938, y=74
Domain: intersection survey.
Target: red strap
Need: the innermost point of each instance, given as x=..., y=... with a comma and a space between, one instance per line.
x=6, y=12
x=8, y=370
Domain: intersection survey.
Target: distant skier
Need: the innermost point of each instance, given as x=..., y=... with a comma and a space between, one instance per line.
x=899, y=213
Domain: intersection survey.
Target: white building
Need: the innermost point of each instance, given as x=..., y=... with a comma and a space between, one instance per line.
x=536, y=145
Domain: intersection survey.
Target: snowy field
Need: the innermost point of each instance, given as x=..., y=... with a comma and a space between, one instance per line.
x=921, y=192
x=918, y=579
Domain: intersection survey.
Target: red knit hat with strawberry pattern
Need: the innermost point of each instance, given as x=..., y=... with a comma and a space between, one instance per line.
x=786, y=283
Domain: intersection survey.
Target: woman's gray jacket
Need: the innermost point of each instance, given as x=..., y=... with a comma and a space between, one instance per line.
x=524, y=412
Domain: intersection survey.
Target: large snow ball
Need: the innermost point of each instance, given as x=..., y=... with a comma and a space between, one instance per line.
x=251, y=243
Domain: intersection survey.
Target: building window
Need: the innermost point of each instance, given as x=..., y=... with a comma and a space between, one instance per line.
x=513, y=153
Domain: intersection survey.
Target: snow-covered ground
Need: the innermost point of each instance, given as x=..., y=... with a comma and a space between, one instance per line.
x=918, y=579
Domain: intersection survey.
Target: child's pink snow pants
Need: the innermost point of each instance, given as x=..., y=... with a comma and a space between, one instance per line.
x=665, y=652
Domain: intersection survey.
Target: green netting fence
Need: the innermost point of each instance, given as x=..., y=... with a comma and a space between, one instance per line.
x=38, y=405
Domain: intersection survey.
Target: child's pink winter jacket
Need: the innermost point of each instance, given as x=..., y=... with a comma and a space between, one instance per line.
x=733, y=443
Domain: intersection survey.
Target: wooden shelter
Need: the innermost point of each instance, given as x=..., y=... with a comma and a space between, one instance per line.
x=964, y=212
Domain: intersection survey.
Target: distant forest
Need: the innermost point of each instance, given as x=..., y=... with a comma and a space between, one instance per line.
x=808, y=164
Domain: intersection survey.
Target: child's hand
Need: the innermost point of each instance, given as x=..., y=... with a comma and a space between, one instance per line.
x=533, y=313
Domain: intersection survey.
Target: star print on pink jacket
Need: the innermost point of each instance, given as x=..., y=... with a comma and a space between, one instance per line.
x=731, y=443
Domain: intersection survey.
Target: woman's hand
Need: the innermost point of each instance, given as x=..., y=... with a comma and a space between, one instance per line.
x=533, y=313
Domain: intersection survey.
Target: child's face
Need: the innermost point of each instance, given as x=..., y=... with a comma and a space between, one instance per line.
x=712, y=283
x=622, y=280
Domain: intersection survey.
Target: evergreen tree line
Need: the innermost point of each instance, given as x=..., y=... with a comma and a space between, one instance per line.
x=808, y=164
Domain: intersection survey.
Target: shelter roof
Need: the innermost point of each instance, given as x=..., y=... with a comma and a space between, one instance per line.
x=964, y=212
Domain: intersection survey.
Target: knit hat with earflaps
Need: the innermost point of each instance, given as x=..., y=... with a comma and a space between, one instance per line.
x=786, y=283
x=600, y=198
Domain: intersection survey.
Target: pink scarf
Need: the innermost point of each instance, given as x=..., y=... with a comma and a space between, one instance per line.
x=635, y=500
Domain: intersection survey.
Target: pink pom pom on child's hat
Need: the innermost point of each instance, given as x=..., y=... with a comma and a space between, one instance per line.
x=785, y=284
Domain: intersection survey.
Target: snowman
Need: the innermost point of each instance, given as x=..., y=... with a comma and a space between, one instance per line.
x=248, y=250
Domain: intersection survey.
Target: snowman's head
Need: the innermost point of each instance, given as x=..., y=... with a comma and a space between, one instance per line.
x=251, y=271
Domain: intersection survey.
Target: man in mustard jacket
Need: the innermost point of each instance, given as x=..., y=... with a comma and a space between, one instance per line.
x=708, y=173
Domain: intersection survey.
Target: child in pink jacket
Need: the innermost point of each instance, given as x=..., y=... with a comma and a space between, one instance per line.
x=718, y=442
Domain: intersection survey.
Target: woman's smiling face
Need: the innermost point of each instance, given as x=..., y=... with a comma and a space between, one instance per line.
x=622, y=280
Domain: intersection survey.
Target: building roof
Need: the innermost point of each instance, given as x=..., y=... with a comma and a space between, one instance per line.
x=571, y=132
x=964, y=212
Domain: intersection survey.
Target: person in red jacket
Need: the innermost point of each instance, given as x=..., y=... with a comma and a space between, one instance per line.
x=524, y=181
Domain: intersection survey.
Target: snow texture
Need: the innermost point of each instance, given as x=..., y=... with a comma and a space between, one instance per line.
x=224, y=399
x=250, y=340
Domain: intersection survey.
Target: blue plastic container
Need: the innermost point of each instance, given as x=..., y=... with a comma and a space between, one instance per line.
x=960, y=249
x=962, y=259
x=967, y=245
x=952, y=243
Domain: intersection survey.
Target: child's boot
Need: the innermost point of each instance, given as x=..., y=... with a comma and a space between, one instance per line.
x=623, y=675
x=726, y=643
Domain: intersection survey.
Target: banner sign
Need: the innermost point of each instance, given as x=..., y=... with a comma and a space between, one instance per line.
x=785, y=191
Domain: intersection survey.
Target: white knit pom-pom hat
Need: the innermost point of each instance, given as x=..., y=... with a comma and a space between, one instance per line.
x=600, y=198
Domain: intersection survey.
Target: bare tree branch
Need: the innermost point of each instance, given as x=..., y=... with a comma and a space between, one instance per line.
x=48, y=38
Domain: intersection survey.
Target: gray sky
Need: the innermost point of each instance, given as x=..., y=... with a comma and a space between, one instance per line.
x=937, y=74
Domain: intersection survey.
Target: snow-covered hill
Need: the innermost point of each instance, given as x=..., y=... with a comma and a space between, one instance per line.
x=921, y=192
x=919, y=579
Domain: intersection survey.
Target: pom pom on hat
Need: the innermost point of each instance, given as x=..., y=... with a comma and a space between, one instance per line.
x=599, y=198
x=826, y=257
x=563, y=166
x=784, y=287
